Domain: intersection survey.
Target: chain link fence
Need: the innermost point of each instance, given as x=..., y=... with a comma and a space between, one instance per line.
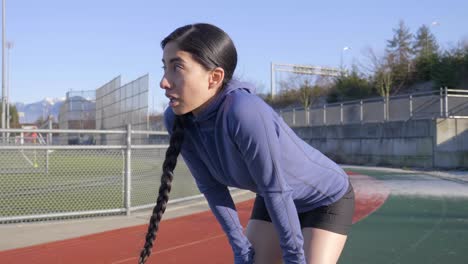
x=44, y=180
x=444, y=103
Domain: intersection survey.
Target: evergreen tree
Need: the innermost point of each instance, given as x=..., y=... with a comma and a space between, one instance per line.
x=426, y=51
x=14, y=117
x=425, y=44
x=452, y=68
x=399, y=50
x=400, y=45
x=350, y=87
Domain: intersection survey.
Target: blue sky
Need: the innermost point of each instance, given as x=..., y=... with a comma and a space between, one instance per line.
x=80, y=45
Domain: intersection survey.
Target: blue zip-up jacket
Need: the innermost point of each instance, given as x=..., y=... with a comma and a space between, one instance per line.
x=238, y=140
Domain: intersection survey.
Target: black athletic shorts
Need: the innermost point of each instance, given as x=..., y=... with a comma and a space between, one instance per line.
x=336, y=217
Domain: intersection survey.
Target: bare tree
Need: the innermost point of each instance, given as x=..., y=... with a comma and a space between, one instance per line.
x=380, y=68
x=301, y=85
x=305, y=93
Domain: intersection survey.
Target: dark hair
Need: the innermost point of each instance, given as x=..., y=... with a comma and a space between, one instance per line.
x=211, y=47
x=169, y=164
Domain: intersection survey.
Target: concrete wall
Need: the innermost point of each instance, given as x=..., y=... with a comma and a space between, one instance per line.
x=451, y=143
x=439, y=143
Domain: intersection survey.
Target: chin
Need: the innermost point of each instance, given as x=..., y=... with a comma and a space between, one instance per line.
x=179, y=111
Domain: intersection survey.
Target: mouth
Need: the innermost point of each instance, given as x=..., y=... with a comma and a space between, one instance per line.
x=173, y=101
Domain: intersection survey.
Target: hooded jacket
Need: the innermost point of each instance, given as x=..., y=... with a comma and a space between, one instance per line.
x=238, y=140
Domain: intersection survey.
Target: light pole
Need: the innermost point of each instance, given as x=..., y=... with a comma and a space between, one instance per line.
x=3, y=70
x=9, y=46
x=341, y=57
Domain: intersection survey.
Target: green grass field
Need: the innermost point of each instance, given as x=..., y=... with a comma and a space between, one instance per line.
x=83, y=180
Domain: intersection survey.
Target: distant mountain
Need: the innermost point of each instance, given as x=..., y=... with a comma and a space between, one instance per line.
x=33, y=111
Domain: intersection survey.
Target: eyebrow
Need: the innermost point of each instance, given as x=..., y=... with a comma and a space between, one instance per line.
x=176, y=59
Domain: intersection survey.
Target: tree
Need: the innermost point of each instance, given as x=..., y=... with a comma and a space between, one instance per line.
x=383, y=81
x=426, y=51
x=400, y=45
x=305, y=93
x=40, y=121
x=425, y=43
x=350, y=87
x=14, y=117
x=451, y=68
x=399, y=52
x=294, y=90
x=381, y=77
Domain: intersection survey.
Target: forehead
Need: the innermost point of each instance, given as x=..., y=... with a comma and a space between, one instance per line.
x=172, y=52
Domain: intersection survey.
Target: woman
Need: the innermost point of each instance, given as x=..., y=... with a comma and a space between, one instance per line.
x=230, y=137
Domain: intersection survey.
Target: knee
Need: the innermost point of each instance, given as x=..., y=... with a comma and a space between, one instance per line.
x=265, y=242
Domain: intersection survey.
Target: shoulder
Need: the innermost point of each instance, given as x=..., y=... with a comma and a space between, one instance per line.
x=246, y=112
x=242, y=105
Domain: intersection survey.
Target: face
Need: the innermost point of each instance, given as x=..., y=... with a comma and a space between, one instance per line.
x=188, y=85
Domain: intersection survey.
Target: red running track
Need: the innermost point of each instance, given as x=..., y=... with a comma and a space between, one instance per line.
x=191, y=239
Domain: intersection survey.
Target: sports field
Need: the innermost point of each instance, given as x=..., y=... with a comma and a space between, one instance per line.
x=401, y=217
x=81, y=180
x=424, y=220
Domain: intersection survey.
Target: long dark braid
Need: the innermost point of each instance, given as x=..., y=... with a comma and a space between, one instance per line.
x=166, y=183
x=211, y=47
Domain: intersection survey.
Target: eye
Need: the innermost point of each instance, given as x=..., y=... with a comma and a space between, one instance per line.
x=178, y=66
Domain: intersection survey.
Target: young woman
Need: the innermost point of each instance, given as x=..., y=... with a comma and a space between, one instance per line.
x=230, y=137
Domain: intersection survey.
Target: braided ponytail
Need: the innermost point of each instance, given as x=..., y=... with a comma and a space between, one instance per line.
x=166, y=183
x=211, y=47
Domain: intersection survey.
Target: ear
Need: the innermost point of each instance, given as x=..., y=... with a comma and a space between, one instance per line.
x=216, y=77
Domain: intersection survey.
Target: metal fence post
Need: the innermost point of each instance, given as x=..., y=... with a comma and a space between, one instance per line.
x=384, y=109
x=341, y=113
x=294, y=116
x=128, y=169
x=446, y=113
x=441, y=102
x=411, y=106
x=361, y=116
x=49, y=142
x=325, y=114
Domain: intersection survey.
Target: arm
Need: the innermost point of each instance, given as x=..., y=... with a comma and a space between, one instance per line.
x=222, y=206
x=218, y=197
x=255, y=134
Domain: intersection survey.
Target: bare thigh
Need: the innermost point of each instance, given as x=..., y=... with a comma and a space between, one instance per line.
x=264, y=239
x=322, y=246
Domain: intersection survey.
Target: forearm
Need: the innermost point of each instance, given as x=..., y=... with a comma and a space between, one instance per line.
x=284, y=216
x=223, y=208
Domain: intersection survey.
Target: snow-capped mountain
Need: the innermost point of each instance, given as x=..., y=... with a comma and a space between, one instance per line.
x=42, y=109
x=53, y=101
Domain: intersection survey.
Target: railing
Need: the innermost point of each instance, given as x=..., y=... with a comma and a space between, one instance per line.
x=445, y=103
x=46, y=180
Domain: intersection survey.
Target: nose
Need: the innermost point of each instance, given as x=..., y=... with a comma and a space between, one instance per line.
x=164, y=83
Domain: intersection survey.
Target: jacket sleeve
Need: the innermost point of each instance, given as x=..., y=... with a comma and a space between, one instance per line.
x=222, y=206
x=254, y=131
x=219, y=200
